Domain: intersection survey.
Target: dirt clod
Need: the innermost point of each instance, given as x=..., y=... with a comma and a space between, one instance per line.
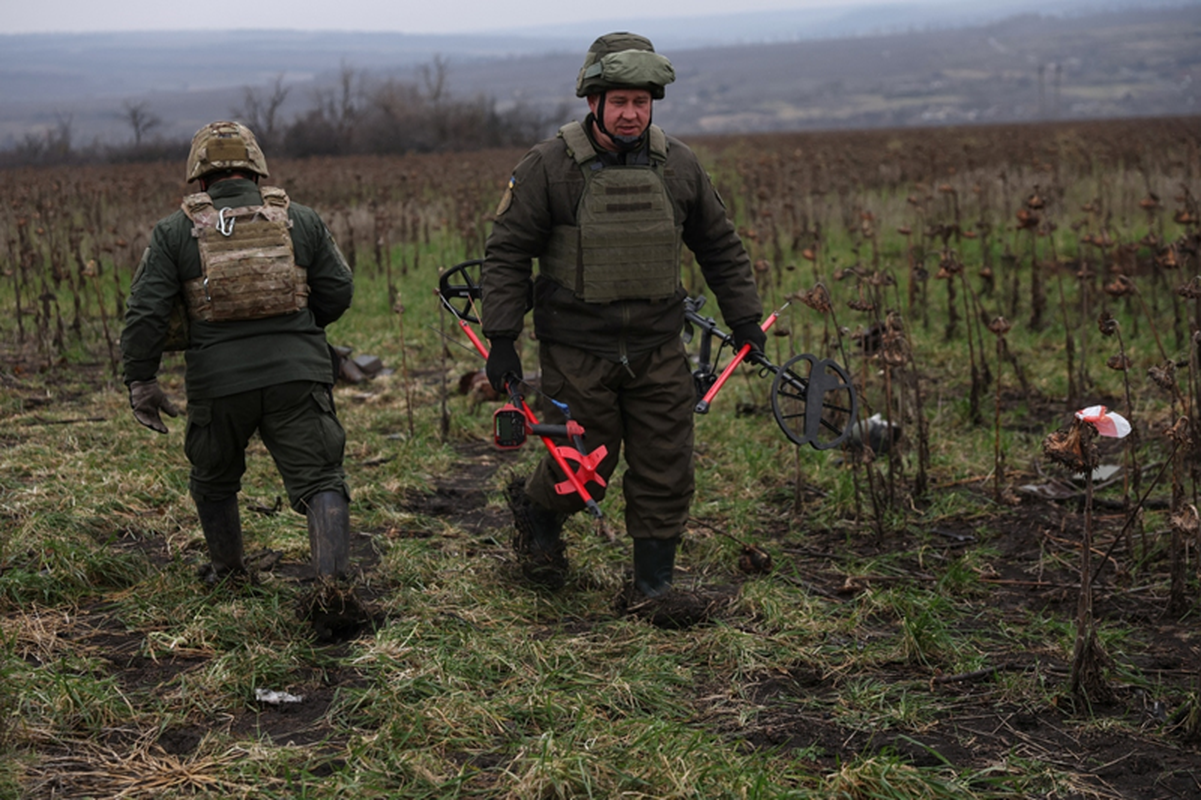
x=335, y=612
x=678, y=609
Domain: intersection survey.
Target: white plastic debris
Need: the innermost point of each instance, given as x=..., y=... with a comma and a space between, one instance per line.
x=1105, y=421
x=272, y=697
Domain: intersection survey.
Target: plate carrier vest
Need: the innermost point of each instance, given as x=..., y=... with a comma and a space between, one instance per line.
x=247, y=265
x=625, y=244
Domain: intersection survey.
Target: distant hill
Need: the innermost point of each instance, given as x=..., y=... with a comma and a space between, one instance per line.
x=1131, y=62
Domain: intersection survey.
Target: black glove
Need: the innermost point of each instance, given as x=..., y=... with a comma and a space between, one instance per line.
x=749, y=333
x=147, y=398
x=503, y=363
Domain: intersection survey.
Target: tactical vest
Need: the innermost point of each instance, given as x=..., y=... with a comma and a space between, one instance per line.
x=247, y=266
x=625, y=244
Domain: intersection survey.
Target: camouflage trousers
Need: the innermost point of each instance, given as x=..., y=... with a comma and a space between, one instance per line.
x=648, y=408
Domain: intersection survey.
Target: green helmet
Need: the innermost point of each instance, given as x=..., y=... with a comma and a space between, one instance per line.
x=623, y=61
x=225, y=145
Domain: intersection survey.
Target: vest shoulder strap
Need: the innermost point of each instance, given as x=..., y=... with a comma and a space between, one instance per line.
x=197, y=205
x=579, y=146
x=658, y=143
x=275, y=196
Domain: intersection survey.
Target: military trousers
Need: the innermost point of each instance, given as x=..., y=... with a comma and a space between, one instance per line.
x=647, y=408
x=297, y=423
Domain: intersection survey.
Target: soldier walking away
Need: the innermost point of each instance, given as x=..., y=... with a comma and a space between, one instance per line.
x=604, y=207
x=245, y=281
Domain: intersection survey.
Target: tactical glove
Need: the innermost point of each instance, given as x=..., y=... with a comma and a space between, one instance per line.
x=749, y=333
x=147, y=398
x=503, y=363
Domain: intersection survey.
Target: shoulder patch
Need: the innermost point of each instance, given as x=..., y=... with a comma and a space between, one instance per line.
x=506, y=199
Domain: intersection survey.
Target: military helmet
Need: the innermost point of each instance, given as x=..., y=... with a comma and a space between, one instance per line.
x=623, y=61
x=225, y=145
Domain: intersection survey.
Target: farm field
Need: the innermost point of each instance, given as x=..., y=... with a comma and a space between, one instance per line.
x=922, y=631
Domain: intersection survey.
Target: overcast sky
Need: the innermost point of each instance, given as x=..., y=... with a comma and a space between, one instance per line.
x=405, y=16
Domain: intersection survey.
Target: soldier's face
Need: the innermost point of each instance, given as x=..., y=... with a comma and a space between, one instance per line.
x=627, y=111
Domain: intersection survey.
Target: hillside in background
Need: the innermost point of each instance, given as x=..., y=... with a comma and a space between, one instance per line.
x=1123, y=63
x=1023, y=68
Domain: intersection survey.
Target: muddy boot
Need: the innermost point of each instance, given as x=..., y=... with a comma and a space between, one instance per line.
x=329, y=534
x=223, y=534
x=652, y=597
x=537, y=541
x=335, y=611
x=654, y=562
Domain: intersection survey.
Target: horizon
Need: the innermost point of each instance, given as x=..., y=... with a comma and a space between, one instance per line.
x=479, y=18
x=850, y=65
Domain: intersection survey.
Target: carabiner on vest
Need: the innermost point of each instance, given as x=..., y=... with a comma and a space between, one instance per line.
x=225, y=225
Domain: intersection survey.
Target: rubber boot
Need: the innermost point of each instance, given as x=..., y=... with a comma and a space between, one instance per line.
x=654, y=562
x=538, y=540
x=544, y=560
x=329, y=533
x=223, y=534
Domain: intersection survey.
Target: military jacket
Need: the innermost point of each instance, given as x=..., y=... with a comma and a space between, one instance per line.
x=224, y=358
x=544, y=192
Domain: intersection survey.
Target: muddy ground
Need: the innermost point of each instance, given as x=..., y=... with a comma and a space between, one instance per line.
x=1151, y=754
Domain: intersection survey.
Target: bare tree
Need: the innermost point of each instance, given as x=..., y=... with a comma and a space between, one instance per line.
x=433, y=75
x=340, y=106
x=140, y=119
x=260, y=109
x=59, y=139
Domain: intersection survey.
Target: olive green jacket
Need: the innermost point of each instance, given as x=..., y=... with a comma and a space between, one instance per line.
x=224, y=358
x=544, y=192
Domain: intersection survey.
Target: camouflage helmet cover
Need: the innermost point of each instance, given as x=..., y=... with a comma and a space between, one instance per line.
x=225, y=145
x=623, y=61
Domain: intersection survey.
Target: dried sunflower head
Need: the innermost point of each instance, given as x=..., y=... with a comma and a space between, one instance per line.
x=816, y=298
x=1164, y=376
x=1073, y=447
x=1186, y=520
x=1000, y=326
x=894, y=348
x=1107, y=324
x=1119, y=362
x=1179, y=432
x=1192, y=289
x=949, y=263
x=1120, y=286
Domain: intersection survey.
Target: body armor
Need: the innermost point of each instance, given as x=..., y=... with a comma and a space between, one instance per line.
x=625, y=244
x=247, y=266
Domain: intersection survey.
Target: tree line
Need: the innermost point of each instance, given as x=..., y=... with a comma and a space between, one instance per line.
x=357, y=114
